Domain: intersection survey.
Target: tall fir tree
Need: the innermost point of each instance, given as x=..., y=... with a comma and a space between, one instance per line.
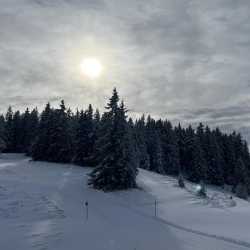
x=117, y=168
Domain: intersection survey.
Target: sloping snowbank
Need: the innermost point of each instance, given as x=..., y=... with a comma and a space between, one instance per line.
x=213, y=216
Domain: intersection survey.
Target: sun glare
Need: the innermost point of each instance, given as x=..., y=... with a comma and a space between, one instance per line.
x=91, y=67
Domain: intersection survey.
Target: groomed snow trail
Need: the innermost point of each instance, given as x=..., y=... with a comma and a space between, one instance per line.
x=42, y=208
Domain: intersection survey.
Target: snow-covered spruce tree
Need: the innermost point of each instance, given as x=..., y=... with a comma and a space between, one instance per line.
x=117, y=167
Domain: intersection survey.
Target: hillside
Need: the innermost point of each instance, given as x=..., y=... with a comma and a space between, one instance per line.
x=42, y=206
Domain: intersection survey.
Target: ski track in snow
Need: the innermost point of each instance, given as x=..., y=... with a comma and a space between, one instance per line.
x=45, y=231
x=46, y=209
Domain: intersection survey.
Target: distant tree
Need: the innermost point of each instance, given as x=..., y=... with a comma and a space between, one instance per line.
x=59, y=149
x=188, y=152
x=170, y=149
x=181, y=182
x=41, y=144
x=97, y=117
x=31, y=130
x=241, y=175
x=198, y=170
x=9, y=133
x=241, y=191
x=17, y=133
x=26, y=130
x=214, y=158
x=85, y=139
x=141, y=142
x=180, y=138
x=2, y=134
x=154, y=147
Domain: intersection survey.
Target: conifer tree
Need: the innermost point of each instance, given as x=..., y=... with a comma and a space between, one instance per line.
x=181, y=182
x=180, y=137
x=170, y=149
x=154, y=146
x=117, y=166
x=198, y=170
x=9, y=133
x=39, y=150
x=32, y=130
x=26, y=130
x=213, y=155
x=141, y=143
x=2, y=134
x=188, y=152
x=85, y=139
x=17, y=131
x=59, y=149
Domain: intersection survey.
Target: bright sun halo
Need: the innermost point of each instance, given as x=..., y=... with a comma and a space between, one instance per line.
x=91, y=67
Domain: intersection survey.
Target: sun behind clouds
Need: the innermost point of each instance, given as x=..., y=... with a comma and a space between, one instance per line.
x=91, y=67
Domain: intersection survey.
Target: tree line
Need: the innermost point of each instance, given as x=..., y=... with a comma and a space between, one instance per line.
x=116, y=146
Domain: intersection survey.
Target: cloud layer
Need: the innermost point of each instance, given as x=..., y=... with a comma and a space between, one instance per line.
x=187, y=60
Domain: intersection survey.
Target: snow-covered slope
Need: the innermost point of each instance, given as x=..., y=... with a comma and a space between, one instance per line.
x=42, y=206
x=216, y=216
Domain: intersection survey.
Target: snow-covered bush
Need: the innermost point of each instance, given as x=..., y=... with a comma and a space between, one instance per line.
x=201, y=189
x=181, y=182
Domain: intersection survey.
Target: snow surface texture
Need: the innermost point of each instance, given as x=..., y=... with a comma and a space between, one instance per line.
x=42, y=206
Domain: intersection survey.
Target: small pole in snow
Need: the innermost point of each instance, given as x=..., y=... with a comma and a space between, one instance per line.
x=155, y=207
x=87, y=209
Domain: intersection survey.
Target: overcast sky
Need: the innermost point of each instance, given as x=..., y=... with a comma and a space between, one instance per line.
x=185, y=60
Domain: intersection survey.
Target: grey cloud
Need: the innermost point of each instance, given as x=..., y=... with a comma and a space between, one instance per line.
x=187, y=60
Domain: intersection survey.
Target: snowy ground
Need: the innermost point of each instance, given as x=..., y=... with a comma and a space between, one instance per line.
x=42, y=207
